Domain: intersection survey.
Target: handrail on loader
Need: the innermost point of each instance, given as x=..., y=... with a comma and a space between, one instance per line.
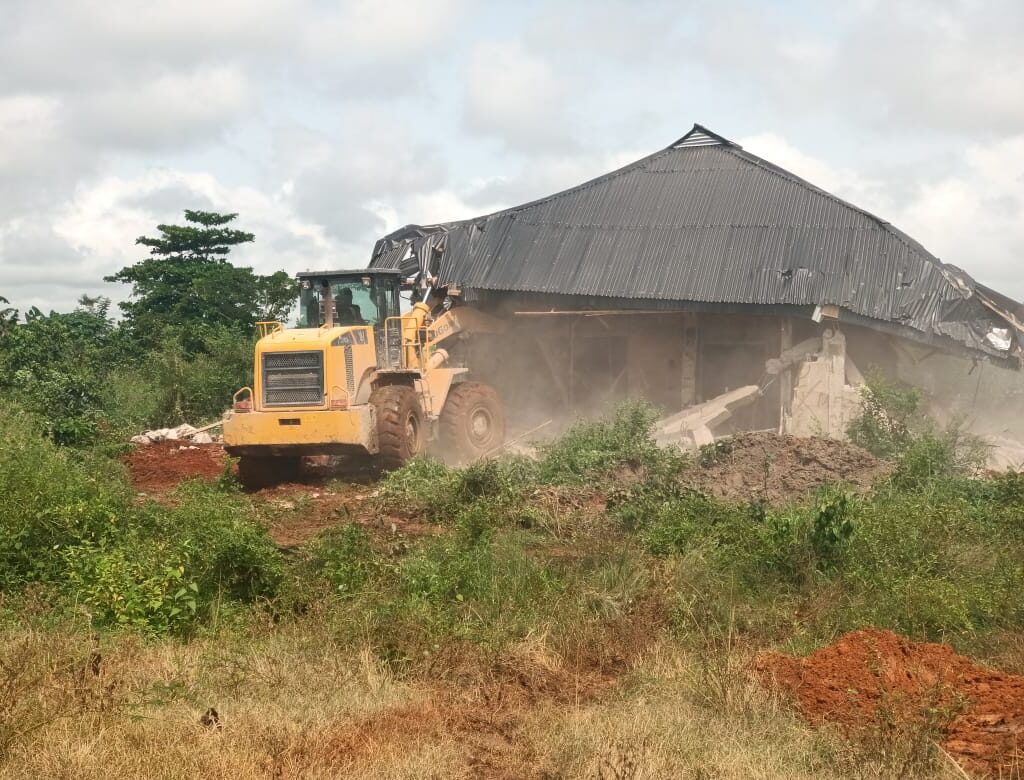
x=412, y=339
x=266, y=327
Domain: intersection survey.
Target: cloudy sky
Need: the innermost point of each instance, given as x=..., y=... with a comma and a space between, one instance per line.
x=326, y=124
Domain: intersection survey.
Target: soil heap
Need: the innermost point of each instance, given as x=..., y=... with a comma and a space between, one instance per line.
x=763, y=465
x=162, y=465
x=870, y=679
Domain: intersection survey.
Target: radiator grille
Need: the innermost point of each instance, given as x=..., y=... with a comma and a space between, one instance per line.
x=350, y=375
x=293, y=378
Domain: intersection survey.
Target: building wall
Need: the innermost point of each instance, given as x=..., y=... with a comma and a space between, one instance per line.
x=563, y=365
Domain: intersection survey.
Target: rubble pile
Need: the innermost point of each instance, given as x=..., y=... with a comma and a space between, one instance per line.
x=184, y=431
x=780, y=468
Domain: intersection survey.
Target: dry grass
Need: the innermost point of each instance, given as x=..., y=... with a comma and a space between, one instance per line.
x=292, y=704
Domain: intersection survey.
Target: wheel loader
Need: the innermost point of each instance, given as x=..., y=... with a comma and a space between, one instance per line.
x=356, y=377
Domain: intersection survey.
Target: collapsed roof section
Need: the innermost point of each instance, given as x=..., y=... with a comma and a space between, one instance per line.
x=705, y=222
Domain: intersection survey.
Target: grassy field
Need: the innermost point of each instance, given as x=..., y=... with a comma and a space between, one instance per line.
x=583, y=614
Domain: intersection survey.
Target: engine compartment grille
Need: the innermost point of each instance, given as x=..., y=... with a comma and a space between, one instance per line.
x=293, y=378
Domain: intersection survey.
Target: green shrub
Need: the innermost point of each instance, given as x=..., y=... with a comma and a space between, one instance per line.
x=422, y=487
x=889, y=413
x=70, y=523
x=53, y=499
x=934, y=456
x=345, y=557
x=195, y=384
x=134, y=585
x=593, y=446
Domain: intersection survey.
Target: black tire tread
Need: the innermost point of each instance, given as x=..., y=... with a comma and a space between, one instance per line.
x=391, y=403
x=462, y=397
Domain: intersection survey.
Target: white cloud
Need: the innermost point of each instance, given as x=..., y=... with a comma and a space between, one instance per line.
x=975, y=220
x=916, y=65
x=50, y=265
x=514, y=95
x=380, y=30
x=342, y=180
x=327, y=123
x=28, y=124
x=172, y=110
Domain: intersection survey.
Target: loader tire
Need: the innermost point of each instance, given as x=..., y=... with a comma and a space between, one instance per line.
x=260, y=471
x=472, y=422
x=400, y=431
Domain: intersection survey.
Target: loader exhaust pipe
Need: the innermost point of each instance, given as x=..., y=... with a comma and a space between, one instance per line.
x=328, y=304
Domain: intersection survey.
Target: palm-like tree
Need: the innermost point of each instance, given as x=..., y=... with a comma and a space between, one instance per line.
x=8, y=317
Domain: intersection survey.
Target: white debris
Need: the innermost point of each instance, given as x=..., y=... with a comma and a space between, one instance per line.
x=184, y=432
x=999, y=338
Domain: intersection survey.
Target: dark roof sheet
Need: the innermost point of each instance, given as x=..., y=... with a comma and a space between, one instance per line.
x=702, y=221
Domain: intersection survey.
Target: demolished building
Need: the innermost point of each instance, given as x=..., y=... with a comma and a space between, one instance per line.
x=704, y=276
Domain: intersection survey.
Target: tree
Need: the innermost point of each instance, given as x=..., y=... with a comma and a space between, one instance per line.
x=8, y=317
x=57, y=365
x=188, y=286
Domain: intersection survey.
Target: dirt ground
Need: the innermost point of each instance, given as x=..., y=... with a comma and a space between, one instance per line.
x=748, y=466
x=870, y=680
x=763, y=465
x=159, y=467
x=328, y=495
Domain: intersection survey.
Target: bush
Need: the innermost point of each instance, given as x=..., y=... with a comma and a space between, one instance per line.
x=889, y=413
x=422, y=487
x=197, y=386
x=70, y=523
x=345, y=558
x=57, y=366
x=936, y=456
x=591, y=447
x=53, y=499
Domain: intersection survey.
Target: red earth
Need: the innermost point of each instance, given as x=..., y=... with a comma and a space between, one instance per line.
x=870, y=678
x=161, y=466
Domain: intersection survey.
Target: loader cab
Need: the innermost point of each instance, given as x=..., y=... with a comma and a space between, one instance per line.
x=342, y=298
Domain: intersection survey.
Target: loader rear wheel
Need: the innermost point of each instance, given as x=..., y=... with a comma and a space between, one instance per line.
x=260, y=471
x=399, y=425
x=472, y=422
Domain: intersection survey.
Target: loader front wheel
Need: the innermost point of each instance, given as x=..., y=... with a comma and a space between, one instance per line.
x=260, y=471
x=472, y=422
x=400, y=431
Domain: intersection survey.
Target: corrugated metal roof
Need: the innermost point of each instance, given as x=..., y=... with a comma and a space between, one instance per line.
x=702, y=221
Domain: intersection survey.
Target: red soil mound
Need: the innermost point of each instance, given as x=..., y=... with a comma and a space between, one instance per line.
x=162, y=465
x=778, y=468
x=869, y=678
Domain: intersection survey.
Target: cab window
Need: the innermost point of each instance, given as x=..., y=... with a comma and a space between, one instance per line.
x=355, y=302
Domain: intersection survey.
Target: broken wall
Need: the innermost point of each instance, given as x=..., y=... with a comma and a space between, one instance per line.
x=566, y=364
x=559, y=365
x=825, y=391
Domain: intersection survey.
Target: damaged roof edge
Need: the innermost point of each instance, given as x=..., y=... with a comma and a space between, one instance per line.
x=705, y=221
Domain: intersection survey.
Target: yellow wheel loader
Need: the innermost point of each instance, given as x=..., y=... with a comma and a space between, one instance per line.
x=357, y=377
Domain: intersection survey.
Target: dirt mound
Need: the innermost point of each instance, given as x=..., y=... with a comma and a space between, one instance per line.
x=872, y=679
x=776, y=468
x=162, y=465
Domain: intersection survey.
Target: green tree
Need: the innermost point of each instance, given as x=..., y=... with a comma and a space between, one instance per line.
x=8, y=317
x=188, y=286
x=56, y=365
